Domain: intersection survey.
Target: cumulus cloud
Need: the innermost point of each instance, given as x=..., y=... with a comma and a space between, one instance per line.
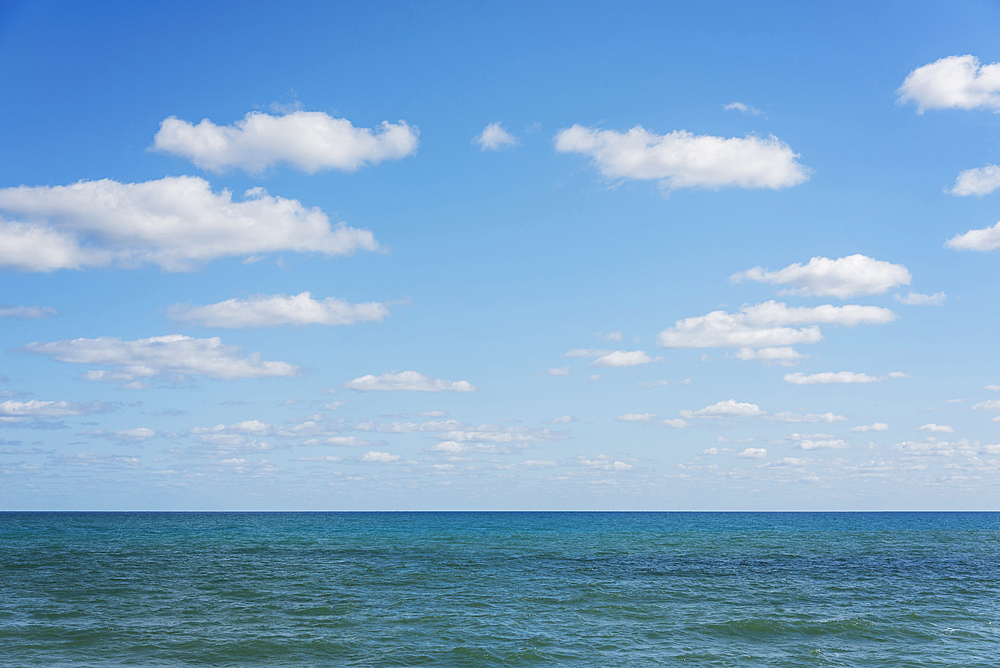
x=783, y=356
x=623, y=358
x=937, y=428
x=379, y=457
x=816, y=442
x=676, y=423
x=604, y=463
x=410, y=381
x=840, y=377
x=177, y=223
x=274, y=310
x=27, y=312
x=979, y=181
x=878, y=426
x=636, y=417
x=681, y=159
x=992, y=388
x=990, y=405
x=788, y=416
x=918, y=299
x=411, y=427
x=753, y=453
x=954, y=82
x=727, y=408
x=344, y=442
x=494, y=137
x=146, y=358
x=985, y=239
x=841, y=278
x=767, y=325
x=50, y=409
x=307, y=140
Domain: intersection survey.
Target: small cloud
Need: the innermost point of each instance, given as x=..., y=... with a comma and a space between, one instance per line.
x=334, y=405
x=27, y=312
x=560, y=420
x=653, y=383
x=992, y=388
x=620, y=358
x=636, y=417
x=878, y=426
x=918, y=299
x=743, y=108
x=937, y=428
x=610, y=336
x=586, y=352
x=676, y=423
x=595, y=377
x=379, y=457
x=494, y=137
x=407, y=381
x=558, y=371
x=753, y=453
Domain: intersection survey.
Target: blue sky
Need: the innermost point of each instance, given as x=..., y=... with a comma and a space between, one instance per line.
x=578, y=256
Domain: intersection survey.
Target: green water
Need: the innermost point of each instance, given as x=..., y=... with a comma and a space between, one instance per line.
x=500, y=589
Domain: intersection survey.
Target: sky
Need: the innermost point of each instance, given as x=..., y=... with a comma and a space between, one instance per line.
x=470, y=256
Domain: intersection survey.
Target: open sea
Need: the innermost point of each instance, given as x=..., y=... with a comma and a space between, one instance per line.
x=500, y=589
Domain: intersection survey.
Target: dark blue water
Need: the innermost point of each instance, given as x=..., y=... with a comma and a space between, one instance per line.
x=500, y=589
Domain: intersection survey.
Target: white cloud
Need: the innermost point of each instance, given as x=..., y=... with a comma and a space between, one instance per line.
x=565, y=419
x=980, y=181
x=816, y=442
x=767, y=325
x=675, y=423
x=743, y=108
x=636, y=417
x=878, y=426
x=985, y=239
x=683, y=160
x=334, y=405
x=412, y=427
x=174, y=353
x=653, y=383
x=307, y=140
x=379, y=457
x=954, y=82
x=623, y=358
x=918, y=299
x=410, y=381
x=753, y=453
x=274, y=310
x=829, y=377
x=586, y=352
x=610, y=336
x=993, y=388
x=344, y=442
x=494, y=137
x=728, y=408
x=788, y=416
x=325, y=458
x=841, y=278
x=604, y=463
x=783, y=356
x=990, y=405
x=27, y=312
x=50, y=409
x=177, y=223
x=937, y=428
x=559, y=371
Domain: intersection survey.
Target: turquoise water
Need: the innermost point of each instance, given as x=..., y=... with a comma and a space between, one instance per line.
x=500, y=589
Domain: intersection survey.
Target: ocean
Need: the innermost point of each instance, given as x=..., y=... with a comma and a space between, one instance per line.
x=500, y=589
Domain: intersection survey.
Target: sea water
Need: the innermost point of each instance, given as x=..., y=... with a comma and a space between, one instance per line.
x=500, y=589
